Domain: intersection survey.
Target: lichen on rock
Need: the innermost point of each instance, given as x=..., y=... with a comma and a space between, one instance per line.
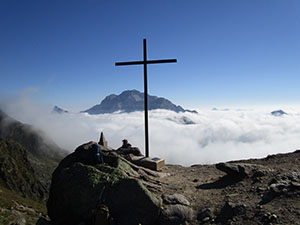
x=77, y=188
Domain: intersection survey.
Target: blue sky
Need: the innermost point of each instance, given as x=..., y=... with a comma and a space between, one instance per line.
x=229, y=52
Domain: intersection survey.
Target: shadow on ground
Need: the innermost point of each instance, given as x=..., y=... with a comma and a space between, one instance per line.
x=221, y=183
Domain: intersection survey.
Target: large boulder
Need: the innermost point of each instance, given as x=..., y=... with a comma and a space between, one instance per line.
x=176, y=214
x=242, y=170
x=78, y=187
x=175, y=199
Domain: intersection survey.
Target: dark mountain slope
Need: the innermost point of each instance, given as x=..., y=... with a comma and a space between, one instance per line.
x=35, y=141
x=42, y=153
x=27, y=160
x=16, y=172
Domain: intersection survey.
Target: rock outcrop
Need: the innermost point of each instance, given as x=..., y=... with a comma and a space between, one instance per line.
x=77, y=186
x=242, y=170
x=127, y=151
x=286, y=184
x=175, y=199
x=102, y=141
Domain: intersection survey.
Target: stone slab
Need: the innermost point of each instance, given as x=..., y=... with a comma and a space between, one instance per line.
x=150, y=163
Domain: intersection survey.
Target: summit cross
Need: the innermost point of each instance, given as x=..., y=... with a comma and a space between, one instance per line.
x=145, y=62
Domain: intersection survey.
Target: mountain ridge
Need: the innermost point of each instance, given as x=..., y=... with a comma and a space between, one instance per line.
x=130, y=101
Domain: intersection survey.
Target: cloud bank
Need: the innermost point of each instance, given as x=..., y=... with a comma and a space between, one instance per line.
x=216, y=135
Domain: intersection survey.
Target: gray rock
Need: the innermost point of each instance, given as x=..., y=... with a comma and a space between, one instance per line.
x=288, y=183
x=204, y=215
x=42, y=221
x=77, y=187
x=269, y=218
x=293, y=176
x=242, y=170
x=175, y=199
x=231, y=169
x=126, y=149
x=230, y=210
x=295, y=185
x=102, y=140
x=19, y=217
x=176, y=214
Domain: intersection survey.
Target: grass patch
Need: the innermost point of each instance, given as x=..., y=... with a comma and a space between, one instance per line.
x=8, y=207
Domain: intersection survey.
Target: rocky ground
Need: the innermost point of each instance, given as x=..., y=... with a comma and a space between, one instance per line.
x=15, y=209
x=255, y=191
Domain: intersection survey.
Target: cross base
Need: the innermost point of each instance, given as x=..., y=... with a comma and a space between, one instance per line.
x=150, y=163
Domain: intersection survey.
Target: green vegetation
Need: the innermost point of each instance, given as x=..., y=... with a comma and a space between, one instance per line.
x=10, y=212
x=22, y=196
x=27, y=160
x=16, y=172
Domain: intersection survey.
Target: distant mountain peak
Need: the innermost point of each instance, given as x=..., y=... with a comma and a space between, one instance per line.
x=59, y=110
x=278, y=113
x=132, y=100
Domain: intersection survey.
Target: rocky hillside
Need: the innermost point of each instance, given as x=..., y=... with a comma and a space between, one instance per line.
x=256, y=191
x=42, y=153
x=27, y=160
x=35, y=141
x=16, y=172
x=22, y=195
x=130, y=101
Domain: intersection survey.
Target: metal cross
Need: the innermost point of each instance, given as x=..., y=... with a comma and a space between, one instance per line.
x=145, y=62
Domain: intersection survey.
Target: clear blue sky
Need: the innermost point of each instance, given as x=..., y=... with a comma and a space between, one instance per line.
x=229, y=52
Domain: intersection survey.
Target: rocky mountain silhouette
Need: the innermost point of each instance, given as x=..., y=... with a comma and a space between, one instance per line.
x=133, y=100
x=278, y=113
x=59, y=110
x=182, y=120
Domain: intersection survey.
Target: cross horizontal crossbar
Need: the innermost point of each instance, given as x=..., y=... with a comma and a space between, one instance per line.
x=147, y=62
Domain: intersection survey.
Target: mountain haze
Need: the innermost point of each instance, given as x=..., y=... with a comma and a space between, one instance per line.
x=130, y=101
x=34, y=140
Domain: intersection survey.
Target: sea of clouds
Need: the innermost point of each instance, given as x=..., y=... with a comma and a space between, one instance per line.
x=217, y=135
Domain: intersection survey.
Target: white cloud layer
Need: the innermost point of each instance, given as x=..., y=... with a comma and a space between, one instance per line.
x=216, y=135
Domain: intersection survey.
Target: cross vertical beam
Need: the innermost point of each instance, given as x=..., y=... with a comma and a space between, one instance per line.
x=146, y=99
x=145, y=62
